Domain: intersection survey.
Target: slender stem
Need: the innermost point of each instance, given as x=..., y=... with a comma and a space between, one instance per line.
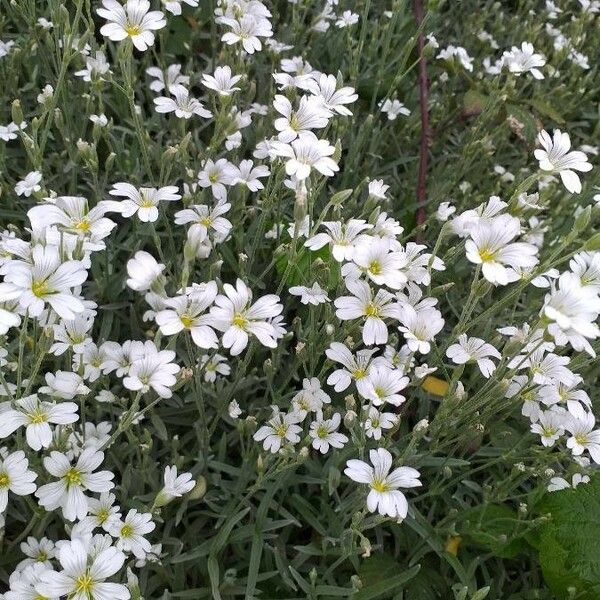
x=424, y=108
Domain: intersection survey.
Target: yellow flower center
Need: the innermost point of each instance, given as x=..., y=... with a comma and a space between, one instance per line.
x=581, y=439
x=40, y=288
x=371, y=310
x=322, y=431
x=102, y=515
x=83, y=226
x=206, y=221
x=380, y=486
x=37, y=417
x=132, y=29
x=4, y=480
x=42, y=557
x=375, y=268
x=213, y=177
x=487, y=255
x=380, y=392
x=359, y=374
x=281, y=430
x=239, y=320
x=146, y=202
x=186, y=320
x=126, y=531
x=84, y=584
x=73, y=477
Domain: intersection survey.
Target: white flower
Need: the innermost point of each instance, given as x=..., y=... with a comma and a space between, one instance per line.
x=310, y=398
x=119, y=358
x=175, y=485
x=71, y=214
x=377, y=421
x=473, y=349
x=130, y=532
x=38, y=552
x=357, y=367
x=9, y=132
x=236, y=315
x=444, y=211
x=523, y=60
x=420, y=327
x=556, y=158
x=83, y=576
x=558, y=483
x=5, y=48
x=373, y=309
x=248, y=175
x=213, y=365
x=189, y=312
x=459, y=53
x=545, y=368
x=347, y=19
x=550, y=427
x=378, y=189
x=584, y=436
x=36, y=416
x=305, y=153
x=94, y=67
x=47, y=279
x=72, y=334
x=131, y=20
x=492, y=247
x=216, y=175
x=572, y=310
x=23, y=582
x=334, y=99
x=174, y=6
x=29, y=185
x=314, y=295
x=384, y=495
x=67, y=492
x=45, y=95
x=343, y=238
x=381, y=265
x=154, y=369
x=101, y=120
x=393, y=108
x=206, y=220
x=223, y=82
x=183, y=105
x=311, y=114
x=234, y=410
x=247, y=30
x=586, y=266
x=15, y=477
x=143, y=271
x=281, y=428
x=383, y=384
x=102, y=512
x=143, y=201
x=64, y=384
x=168, y=79
x=324, y=433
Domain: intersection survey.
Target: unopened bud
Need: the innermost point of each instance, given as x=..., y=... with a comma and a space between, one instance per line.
x=199, y=489
x=349, y=418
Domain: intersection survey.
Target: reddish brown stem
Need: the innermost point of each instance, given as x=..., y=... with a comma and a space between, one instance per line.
x=424, y=108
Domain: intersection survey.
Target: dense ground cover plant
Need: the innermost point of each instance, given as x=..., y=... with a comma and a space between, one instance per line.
x=248, y=350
